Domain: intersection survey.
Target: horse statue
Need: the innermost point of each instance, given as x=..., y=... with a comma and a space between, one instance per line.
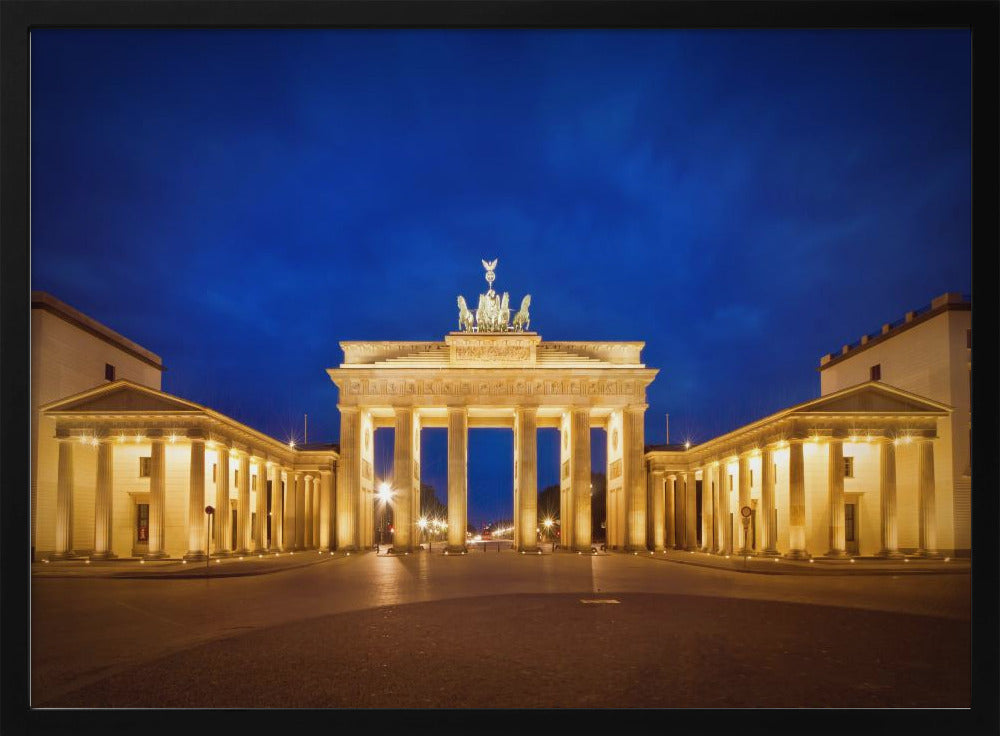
x=504, y=311
x=464, y=316
x=522, y=321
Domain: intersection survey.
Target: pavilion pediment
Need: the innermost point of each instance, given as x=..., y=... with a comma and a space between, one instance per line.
x=871, y=398
x=120, y=398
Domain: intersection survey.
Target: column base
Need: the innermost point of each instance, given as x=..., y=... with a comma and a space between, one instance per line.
x=891, y=554
x=195, y=556
x=399, y=551
x=636, y=548
x=97, y=556
x=589, y=549
x=930, y=554
x=770, y=553
x=456, y=550
x=222, y=553
x=797, y=554
x=745, y=552
x=57, y=556
x=346, y=548
x=155, y=555
x=837, y=554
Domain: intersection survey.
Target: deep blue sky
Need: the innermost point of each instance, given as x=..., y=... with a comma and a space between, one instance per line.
x=744, y=201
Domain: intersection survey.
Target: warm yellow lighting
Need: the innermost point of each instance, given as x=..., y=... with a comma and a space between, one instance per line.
x=142, y=562
x=906, y=559
x=422, y=523
x=138, y=438
x=94, y=442
x=945, y=559
x=173, y=438
x=184, y=562
x=121, y=438
x=548, y=523
x=291, y=444
x=83, y=440
x=687, y=444
x=218, y=562
x=852, y=559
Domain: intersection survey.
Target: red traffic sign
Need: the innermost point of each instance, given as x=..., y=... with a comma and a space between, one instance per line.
x=746, y=511
x=209, y=510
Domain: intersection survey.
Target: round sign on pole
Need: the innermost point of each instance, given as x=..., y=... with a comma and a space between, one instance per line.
x=209, y=510
x=745, y=512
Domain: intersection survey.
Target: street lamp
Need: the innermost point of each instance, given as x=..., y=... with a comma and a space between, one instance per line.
x=422, y=523
x=384, y=495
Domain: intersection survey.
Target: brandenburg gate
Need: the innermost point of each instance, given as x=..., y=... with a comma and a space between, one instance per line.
x=493, y=372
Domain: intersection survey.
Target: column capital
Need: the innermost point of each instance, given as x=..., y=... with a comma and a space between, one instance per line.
x=636, y=407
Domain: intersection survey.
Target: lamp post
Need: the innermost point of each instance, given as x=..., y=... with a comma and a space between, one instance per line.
x=208, y=536
x=384, y=495
x=548, y=529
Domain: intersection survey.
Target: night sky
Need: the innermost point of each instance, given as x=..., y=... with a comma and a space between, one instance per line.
x=240, y=201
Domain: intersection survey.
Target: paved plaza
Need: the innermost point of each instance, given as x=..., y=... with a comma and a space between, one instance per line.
x=498, y=629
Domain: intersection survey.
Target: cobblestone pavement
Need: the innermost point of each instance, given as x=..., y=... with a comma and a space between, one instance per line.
x=500, y=630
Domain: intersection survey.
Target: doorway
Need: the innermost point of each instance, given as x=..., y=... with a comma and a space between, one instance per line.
x=851, y=527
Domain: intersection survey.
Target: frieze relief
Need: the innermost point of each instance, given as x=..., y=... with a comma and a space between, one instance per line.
x=495, y=387
x=616, y=470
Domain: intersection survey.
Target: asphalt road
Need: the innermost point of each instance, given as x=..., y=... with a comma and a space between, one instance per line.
x=502, y=630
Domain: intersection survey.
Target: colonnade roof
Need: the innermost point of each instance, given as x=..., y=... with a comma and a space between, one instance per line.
x=124, y=401
x=868, y=406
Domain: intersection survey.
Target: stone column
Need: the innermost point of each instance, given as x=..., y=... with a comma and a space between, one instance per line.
x=103, y=501
x=725, y=519
x=260, y=523
x=680, y=509
x=300, y=511
x=458, y=469
x=243, y=511
x=580, y=474
x=634, y=481
x=277, y=512
x=291, y=492
x=708, y=491
x=349, y=479
x=403, y=520
x=307, y=516
x=743, y=480
x=887, y=496
x=325, y=510
x=526, y=456
x=659, y=529
x=669, y=521
x=769, y=532
x=157, y=496
x=222, y=513
x=316, y=514
x=928, y=507
x=196, y=503
x=691, y=511
x=835, y=483
x=796, y=502
x=64, y=502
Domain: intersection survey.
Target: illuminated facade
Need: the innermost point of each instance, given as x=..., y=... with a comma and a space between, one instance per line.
x=879, y=465
x=122, y=469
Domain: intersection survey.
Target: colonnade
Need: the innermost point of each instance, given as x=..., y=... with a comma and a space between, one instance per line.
x=575, y=425
x=302, y=502
x=676, y=526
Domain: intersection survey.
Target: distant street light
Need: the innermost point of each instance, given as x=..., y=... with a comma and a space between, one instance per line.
x=422, y=523
x=384, y=495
